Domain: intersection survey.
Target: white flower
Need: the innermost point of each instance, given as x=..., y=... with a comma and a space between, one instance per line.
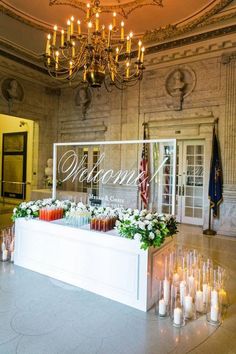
x=137, y=236
x=149, y=227
x=141, y=225
x=14, y=210
x=151, y=236
x=34, y=208
x=136, y=212
x=149, y=216
x=143, y=212
x=23, y=206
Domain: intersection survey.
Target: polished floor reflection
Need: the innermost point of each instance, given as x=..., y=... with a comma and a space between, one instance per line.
x=39, y=315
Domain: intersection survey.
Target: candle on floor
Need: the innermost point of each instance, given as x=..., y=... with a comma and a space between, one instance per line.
x=188, y=306
x=166, y=288
x=178, y=314
x=182, y=290
x=162, y=307
x=199, y=301
x=214, y=313
x=214, y=297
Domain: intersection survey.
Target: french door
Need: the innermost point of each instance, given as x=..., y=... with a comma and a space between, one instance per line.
x=190, y=182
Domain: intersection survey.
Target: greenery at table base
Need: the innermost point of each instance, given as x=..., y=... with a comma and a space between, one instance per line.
x=149, y=227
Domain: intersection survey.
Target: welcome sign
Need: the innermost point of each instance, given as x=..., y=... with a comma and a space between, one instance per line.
x=119, y=173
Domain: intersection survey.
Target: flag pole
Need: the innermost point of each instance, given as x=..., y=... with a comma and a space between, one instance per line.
x=209, y=231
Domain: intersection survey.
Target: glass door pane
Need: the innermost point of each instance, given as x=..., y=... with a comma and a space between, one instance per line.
x=193, y=169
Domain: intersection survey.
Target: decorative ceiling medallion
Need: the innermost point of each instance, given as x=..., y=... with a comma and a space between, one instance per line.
x=122, y=7
x=172, y=30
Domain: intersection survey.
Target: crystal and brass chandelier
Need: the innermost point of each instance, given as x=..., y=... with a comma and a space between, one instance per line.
x=102, y=54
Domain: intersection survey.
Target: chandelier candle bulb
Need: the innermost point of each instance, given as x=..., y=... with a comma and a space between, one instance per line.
x=114, y=20
x=127, y=70
x=62, y=38
x=127, y=45
x=103, y=32
x=139, y=50
x=122, y=31
x=84, y=74
x=73, y=49
x=117, y=54
x=71, y=65
x=88, y=11
x=68, y=31
x=54, y=38
x=142, y=54
x=56, y=60
x=162, y=307
x=48, y=44
x=79, y=27
x=72, y=25
x=109, y=36
x=97, y=22
x=90, y=25
x=112, y=76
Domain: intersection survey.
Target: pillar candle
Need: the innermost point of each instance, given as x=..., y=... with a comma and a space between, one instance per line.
x=89, y=32
x=214, y=313
x=188, y=306
x=182, y=290
x=214, y=297
x=4, y=255
x=199, y=301
x=162, y=307
x=12, y=256
x=205, y=293
x=88, y=11
x=175, y=277
x=178, y=314
x=166, y=290
x=142, y=54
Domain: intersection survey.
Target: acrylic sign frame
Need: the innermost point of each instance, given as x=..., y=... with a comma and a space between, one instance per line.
x=118, y=142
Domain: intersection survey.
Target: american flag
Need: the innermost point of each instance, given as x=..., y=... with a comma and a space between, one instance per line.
x=144, y=178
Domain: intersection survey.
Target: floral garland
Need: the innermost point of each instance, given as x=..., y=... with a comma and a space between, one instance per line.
x=150, y=228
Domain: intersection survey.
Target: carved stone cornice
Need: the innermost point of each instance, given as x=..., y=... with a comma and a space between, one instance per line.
x=203, y=18
x=228, y=57
x=123, y=9
x=23, y=17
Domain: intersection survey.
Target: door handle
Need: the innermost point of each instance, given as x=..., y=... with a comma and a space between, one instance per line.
x=183, y=190
x=180, y=191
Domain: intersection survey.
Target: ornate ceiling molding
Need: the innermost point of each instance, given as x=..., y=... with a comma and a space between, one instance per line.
x=122, y=7
x=23, y=17
x=203, y=18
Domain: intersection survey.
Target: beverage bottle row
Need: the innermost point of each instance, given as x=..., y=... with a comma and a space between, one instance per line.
x=102, y=223
x=51, y=213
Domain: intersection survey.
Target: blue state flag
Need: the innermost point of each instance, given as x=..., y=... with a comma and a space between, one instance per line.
x=216, y=177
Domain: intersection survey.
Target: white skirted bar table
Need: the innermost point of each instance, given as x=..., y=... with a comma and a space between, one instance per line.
x=101, y=262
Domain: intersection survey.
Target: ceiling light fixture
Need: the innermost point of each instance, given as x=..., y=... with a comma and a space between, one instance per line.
x=102, y=54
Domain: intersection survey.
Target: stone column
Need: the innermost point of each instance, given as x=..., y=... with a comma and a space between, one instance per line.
x=227, y=223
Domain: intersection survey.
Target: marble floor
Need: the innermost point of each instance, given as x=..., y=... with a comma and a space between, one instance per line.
x=39, y=315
